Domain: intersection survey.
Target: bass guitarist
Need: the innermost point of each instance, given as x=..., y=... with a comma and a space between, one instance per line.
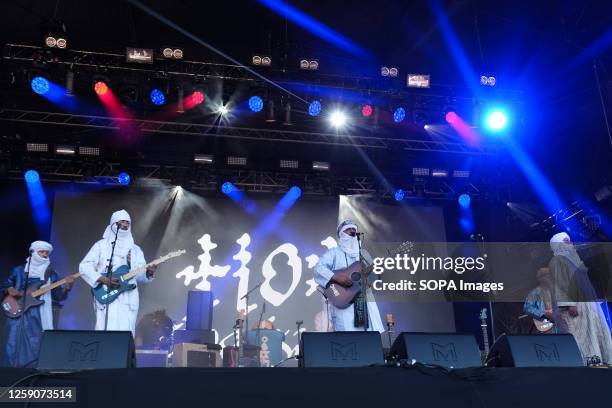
x=356, y=316
x=123, y=311
x=25, y=332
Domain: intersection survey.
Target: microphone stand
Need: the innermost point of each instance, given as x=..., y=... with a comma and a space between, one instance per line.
x=23, y=304
x=246, y=313
x=109, y=274
x=364, y=287
x=481, y=239
x=263, y=310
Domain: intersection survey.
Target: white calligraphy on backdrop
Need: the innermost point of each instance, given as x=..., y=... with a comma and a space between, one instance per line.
x=206, y=270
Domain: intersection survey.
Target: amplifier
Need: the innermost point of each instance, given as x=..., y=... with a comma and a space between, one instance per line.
x=151, y=358
x=196, y=355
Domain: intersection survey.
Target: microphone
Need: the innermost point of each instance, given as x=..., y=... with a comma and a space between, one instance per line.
x=359, y=234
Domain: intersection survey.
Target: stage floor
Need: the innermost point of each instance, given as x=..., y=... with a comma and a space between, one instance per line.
x=317, y=387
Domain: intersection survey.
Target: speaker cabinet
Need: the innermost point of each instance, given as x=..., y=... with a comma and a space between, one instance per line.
x=449, y=350
x=537, y=350
x=341, y=349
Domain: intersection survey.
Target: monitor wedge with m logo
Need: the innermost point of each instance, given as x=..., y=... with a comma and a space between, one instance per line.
x=341, y=349
x=538, y=350
x=443, y=349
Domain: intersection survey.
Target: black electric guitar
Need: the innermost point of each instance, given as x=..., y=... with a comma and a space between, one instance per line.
x=341, y=296
x=485, y=334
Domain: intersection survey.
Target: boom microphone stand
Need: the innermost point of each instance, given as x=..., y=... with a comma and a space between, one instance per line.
x=364, y=287
x=109, y=274
x=480, y=238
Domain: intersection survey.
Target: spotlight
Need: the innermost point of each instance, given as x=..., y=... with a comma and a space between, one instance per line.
x=263, y=61
x=203, y=158
x=53, y=42
x=451, y=117
x=399, y=195
x=223, y=110
x=170, y=53
x=256, y=103
x=399, y=115
x=439, y=173
x=337, y=119
x=420, y=171
x=197, y=97
x=366, y=110
x=65, y=150
x=464, y=200
x=101, y=88
x=37, y=147
x=392, y=72
x=487, y=80
x=496, y=120
x=461, y=173
x=40, y=85
x=236, y=161
x=384, y=71
x=314, y=108
x=61, y=43
x=123, y=179
x=289, y=164
x=157, y=97
x=50, y=42
x=227, y=188
x=31, y=176
x=320, y=166
x=426, y=127
x=89, y=151
x=312, y=65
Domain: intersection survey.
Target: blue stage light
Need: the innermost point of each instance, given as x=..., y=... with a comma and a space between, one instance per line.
x=40, y=85
x=464, y=200
x=294, y=192
x=399, y=195
x=399, y=115
x=32, y=176
x=256, y=103
x=314, y=108
x=157, y=97
x=496, y=120
x=227, y=188
x=123, y=179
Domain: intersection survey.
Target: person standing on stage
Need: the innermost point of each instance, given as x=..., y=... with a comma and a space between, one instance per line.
x=123, y=311
x=24, y=333
x=353, y=318
x=576, y=310
x=538, y=303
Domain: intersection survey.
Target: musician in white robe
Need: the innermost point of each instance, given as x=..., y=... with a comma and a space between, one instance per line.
x=123, y=311
x=340, y=257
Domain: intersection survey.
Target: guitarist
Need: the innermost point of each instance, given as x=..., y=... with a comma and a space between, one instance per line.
x=353, y=318
x=24, y=333
x=538, y=303
x=123, y=311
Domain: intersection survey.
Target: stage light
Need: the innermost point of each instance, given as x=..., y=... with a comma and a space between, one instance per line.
x=337, y=119
x=320, y=166
x=263, y=61
x=399, y=115
x=50, y=42
x=426, y=127
x=294, y=193
x=31, y=176
x=487, y=80
x=464, y=200
x=61, y=43
x=289, y=164
x=65, y=150
x=37, y=147
x=100, y=88
x=89, y=151
x=439, y=173
x=420, y=171
x=461, y=173
x=451, y=117
x=496, y=120
x=197, y=97
x=236, y=161
x=123, y=179
x=223, y=110
x=157, y=97
x=256, y=103
x=170, y=53
x=399, y=195
x=483, y=80
x=312, y=65
x=491, y=81
x=227, y=188
x=203, y=158
x=314, y=108
x=366, y=110
x=40, y=85
x=393, y=72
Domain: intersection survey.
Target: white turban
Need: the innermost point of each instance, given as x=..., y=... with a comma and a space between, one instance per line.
x=36, y=265
x=348, y=244
x=125, y=241
x=561, y=248
x=41, y=246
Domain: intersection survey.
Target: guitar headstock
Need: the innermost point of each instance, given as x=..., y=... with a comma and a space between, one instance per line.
x=483, y=314
x=171, y=255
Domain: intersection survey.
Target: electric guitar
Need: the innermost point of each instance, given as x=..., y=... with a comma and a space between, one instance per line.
x=341, y=296
x=485, y=334
x=125, y=275
x=12, y=306
x=544, y=325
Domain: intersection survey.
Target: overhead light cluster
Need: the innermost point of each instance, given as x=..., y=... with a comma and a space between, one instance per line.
x=487, y=80
x=312, y=65
x=392, y=72
x=263, y=61
x=53, y=42
x=173, y=53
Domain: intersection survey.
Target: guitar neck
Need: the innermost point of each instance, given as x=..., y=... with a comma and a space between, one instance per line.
x=52, y=286
x=138, y=271
x=485, y=336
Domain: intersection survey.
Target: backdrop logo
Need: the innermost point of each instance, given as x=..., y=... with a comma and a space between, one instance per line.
x=344, y=352
x=83, y=352
x=444, y=352
x=547, y=353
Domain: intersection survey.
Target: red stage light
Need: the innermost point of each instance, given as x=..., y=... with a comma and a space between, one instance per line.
x=197, y=97
x=366, y=110
x=451, y=117
x=101, y=88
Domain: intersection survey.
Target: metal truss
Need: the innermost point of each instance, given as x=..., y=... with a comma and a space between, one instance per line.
x=261, y=134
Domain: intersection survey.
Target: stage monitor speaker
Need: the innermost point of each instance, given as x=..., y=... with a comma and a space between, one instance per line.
x=199, y=310
x=85, y=349
x=341, y=349
x=449, y=350
x=537, y=350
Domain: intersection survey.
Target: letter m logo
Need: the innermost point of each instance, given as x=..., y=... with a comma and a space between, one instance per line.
x=444, y=352
x=83, y=352
x=343, y=351
x=547, y=353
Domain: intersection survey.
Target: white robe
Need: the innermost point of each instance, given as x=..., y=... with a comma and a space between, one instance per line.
x=344, y=319
x=122, y=313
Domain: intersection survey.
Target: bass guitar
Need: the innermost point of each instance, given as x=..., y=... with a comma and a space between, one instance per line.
x=341, y=296
x=12, y=306
x=125, y=275
x=485, y=334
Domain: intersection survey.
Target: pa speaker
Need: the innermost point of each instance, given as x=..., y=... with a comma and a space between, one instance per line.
x=449, y=350
x=81, y=349
x=341, y=349
x=199, y=310
x=538, y=350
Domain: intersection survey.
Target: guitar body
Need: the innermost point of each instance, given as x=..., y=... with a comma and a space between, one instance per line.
x=543, y=326
x=105, y=298
x=340, y=296
x=12, y=306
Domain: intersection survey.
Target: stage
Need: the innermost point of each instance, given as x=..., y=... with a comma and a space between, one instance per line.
x=314, y=387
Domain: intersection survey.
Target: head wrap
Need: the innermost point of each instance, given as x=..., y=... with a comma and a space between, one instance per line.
x=38, y=265
x=350, y=245
x=125, y=241
x=561, y=248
